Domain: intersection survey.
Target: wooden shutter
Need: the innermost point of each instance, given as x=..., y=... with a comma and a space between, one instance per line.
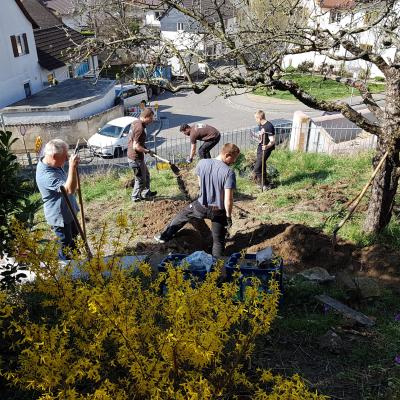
x=14, y=45
x=26, y=43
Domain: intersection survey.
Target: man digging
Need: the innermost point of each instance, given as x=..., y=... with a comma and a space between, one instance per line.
x=217, y=183
x=206, y=133
x=136, y=151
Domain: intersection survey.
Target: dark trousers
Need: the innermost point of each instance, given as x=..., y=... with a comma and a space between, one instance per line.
x=66, y=235
x=259, y=163
x=141, y=187
x=197, y=211
x=205, y=148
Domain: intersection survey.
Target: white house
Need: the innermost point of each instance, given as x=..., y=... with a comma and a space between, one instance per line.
x=20, y=74
x=332, y=15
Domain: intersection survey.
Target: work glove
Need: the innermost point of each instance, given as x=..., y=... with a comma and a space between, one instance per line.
x=228, y=222
x=189, y=160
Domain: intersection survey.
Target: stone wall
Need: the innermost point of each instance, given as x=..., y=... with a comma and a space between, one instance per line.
x=70, y=131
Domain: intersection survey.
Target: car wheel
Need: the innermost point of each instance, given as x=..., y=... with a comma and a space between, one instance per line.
x=118, y=152
x=149, y=92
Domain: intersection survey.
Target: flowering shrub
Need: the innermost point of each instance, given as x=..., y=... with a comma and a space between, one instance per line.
x=127, y=333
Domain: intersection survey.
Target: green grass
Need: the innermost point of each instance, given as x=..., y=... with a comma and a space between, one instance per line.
x=318, y=87
x=307, y=177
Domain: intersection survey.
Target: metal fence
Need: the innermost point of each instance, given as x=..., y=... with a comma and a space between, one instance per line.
x=330, y=140
x=173, y=149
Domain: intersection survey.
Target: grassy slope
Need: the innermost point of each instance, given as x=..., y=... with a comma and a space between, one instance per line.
x=317, y=86
x=366, y=369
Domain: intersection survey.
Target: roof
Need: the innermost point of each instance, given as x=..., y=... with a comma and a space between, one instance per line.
x=337, y=4
x=60, y=7
x=43, y=17
x=52, y=44
x=122, y=121
x=208, y=7
x=25, y=12
x=67, y=95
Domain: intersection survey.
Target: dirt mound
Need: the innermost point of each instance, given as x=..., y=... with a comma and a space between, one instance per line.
x=378, y=261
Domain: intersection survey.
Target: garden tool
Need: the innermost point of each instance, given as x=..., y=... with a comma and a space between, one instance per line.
x=79, y=191
x=174, y=168
x=263, y=164
x=75, y=218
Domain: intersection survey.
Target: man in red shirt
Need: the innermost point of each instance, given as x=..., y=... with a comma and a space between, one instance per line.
x=136, y=152
x=206, y=133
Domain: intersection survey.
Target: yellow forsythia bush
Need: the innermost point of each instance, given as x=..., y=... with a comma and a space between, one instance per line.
x=131, y=334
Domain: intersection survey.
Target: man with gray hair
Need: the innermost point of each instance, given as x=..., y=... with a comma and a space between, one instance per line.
x=50, y=176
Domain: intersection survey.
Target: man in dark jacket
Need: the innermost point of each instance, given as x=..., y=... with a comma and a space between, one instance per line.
x=206, y=133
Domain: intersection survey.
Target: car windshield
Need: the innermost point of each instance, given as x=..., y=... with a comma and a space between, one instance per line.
x=110, y=130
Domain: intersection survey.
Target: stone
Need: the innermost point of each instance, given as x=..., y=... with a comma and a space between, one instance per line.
x=331, y=341
x=362, y=287
x=316, y=274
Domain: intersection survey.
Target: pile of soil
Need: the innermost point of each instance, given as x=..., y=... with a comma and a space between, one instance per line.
x=301, y=247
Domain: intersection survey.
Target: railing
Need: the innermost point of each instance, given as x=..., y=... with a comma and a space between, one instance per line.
x=331, y=140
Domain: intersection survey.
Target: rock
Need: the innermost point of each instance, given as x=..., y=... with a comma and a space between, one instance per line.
x=316, y=274
x=332, y=342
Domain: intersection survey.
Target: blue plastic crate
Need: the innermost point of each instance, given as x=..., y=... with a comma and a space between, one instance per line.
x=264, y=274
x=176, y=259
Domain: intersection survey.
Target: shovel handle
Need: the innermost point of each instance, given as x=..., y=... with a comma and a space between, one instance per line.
x=161, y=159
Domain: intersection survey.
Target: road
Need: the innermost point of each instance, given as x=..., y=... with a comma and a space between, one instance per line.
x=224, y=113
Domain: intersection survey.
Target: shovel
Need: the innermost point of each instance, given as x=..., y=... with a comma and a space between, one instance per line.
x=174, y=168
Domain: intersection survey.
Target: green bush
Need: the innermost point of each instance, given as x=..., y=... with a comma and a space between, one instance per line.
x=379, y=79
x=290, y=69
x=305, y=66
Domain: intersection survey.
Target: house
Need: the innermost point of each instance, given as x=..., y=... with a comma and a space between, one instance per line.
x=332, y=15
x=20, y=72
x=186, y=34
x=70, y=13
x=53, y=39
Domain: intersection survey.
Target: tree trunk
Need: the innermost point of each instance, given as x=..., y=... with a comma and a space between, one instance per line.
x=384, y=189
x=385, y=184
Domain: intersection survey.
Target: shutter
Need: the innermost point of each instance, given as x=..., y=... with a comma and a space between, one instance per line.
x=14, y=45
x=26, y=43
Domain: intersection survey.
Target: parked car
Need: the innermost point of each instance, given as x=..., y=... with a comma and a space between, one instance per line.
x=112, y=138
x=130, y=95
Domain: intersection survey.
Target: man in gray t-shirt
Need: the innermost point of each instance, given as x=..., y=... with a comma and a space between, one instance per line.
x=217, y=182
x=50, y=176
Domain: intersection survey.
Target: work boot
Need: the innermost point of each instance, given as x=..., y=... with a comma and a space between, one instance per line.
x=150, y=195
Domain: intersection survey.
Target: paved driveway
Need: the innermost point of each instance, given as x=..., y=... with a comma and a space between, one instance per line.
x=225, y=114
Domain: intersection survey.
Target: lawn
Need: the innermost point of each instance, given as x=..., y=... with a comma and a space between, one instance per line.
x=318, y=87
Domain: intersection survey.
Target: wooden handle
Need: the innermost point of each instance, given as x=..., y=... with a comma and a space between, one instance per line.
x=75, y=218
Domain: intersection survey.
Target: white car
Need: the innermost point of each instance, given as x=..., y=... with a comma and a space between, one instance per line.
x=112, y=138
x=130, y=94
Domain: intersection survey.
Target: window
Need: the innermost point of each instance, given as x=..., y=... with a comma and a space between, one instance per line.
x=336, y=46
x=19, y=44
x=334, y=17
x=71, y=71
x=27, y=88
x=50, y=78
x=179, y=26
x=156, y=14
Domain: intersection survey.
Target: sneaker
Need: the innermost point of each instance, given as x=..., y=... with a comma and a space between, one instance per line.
x=135, y=199
x=158, y=239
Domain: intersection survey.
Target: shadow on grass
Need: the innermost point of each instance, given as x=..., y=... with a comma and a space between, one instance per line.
x=314, y=176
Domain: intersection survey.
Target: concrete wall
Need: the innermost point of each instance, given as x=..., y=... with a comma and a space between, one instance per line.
x=15, y=71
x=70, y=131
x=49, y=115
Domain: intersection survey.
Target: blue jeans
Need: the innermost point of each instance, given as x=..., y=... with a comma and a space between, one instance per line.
x=66, y=235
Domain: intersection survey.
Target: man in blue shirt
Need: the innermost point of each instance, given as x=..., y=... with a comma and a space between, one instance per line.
x=217, y=182
x=50, y=176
